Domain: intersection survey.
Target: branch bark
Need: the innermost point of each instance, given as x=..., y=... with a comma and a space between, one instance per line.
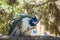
x=37, y=5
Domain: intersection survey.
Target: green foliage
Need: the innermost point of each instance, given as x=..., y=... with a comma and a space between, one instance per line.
x=11, y=2
x=8, y=9
x=49, y=14
x=5, y=16
x=51, y=18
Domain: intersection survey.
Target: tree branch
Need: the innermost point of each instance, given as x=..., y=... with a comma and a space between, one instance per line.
x=37, y=5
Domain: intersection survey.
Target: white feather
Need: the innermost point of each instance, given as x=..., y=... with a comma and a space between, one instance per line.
x=25, y=24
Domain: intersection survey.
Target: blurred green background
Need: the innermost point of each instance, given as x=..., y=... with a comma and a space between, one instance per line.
x=48, y=12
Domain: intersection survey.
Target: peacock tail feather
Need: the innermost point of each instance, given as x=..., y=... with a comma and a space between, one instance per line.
x=16, y=22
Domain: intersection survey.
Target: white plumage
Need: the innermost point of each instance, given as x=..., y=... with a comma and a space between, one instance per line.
x=27, y=23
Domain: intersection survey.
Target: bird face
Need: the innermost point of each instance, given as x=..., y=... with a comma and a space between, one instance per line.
x=33, y=21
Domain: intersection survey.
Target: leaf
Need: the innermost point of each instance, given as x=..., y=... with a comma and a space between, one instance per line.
x=4, y=2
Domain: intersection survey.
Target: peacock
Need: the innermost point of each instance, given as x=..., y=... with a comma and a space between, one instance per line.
x=23, y=23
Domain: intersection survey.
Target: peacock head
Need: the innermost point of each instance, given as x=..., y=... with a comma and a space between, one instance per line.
x=34, y=21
